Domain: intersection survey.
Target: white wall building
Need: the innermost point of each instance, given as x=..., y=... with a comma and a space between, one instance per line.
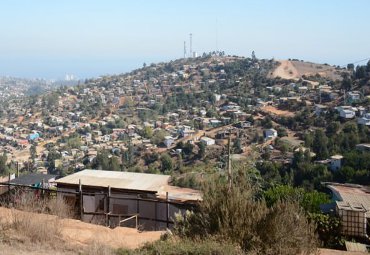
x=207, y=141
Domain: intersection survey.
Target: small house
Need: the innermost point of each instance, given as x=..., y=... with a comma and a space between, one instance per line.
x=336, y=162
x=270, y=133
x=117, y=195
x=207, y=141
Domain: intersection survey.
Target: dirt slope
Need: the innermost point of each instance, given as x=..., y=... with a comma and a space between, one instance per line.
x=296, y=69
x=74, y=235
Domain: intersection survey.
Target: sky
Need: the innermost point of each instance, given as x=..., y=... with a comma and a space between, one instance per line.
x=88, y=38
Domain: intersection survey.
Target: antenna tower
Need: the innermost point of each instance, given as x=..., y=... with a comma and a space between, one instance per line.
x=191, y=46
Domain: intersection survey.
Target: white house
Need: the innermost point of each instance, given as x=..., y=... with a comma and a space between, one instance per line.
x=336, y=162
x=270, y=133
x=354, y=96
x=365, y=120
x=168, y=141
x=207, y=141
x=347, y=114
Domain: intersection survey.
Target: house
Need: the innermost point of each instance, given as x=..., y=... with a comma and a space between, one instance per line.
x=353, y=96
x=115, y=195
x=270, y=133
x=352, y=205
x=364, y=120
x=363, y=147
x=320, y=109
x=186, y=131
x=35, y=180
x=168, y=141
x=336, y=162
x=207, y=141
x=347, y=114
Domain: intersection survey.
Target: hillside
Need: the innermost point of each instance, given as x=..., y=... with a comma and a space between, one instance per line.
x=74, y=236
x=294, y=69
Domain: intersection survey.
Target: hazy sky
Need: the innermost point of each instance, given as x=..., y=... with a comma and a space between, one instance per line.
x=45, y=38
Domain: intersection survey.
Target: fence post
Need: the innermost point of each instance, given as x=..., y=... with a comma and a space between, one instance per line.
x=42, y=188
x=81, y=198
x=8, y=190
x=155, y=215
x=137, y=210
x=108, y=209
x=167, y=211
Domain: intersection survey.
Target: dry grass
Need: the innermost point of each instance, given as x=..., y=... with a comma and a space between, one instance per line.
x=34, y=227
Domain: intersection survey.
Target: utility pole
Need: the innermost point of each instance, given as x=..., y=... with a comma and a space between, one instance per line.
x=229, y=173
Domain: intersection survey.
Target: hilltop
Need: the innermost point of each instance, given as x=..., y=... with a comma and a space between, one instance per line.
x=295, y=70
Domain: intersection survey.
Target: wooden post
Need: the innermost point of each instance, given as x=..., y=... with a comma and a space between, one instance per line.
x=155, y=215
x=81, y=199
x=9, y=190
x=42, y=188
x=137, y=210
x=229, y=173
x=167, y=211
x=108, y=209
x=17, y=169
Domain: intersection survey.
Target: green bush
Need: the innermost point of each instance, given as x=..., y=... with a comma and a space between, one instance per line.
x=237, y=215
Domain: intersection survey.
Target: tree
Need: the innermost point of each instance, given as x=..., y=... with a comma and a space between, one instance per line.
x=237, y=146
x=3, y=166
x=166, y=163
x=351, y=67
x=147, y=132
x=114, y=164
x=33, y=152
x=346, y=83
x=254, y=58
x=102, y=160
x=320, y=144
x=202, y=150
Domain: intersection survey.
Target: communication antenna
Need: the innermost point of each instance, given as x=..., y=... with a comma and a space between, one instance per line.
x=184, y=49
x=191, y=45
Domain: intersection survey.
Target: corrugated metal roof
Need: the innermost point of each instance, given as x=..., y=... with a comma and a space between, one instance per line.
x=117, y=180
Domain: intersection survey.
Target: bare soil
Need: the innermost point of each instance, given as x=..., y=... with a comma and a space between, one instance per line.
x=75, y=236
x=296, y=69
x=274, y=110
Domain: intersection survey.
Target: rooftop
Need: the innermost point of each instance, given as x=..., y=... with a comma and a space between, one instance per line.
x=33, y=179
x=351, y=193
x=117, y=180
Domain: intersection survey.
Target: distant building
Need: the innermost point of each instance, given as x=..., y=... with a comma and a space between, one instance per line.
x=270, y=133
x=347, y=114
x=320, y=109
x=336, y=162
x=364, y=120
x=168, y=141
x=353, y=96
x=207, y=141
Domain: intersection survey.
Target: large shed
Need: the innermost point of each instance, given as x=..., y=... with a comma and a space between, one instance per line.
x=118, y=195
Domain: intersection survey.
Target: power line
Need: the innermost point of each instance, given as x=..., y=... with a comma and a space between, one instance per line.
x=358, y=61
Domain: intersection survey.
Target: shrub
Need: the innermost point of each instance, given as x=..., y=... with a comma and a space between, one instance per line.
x=237, y=214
